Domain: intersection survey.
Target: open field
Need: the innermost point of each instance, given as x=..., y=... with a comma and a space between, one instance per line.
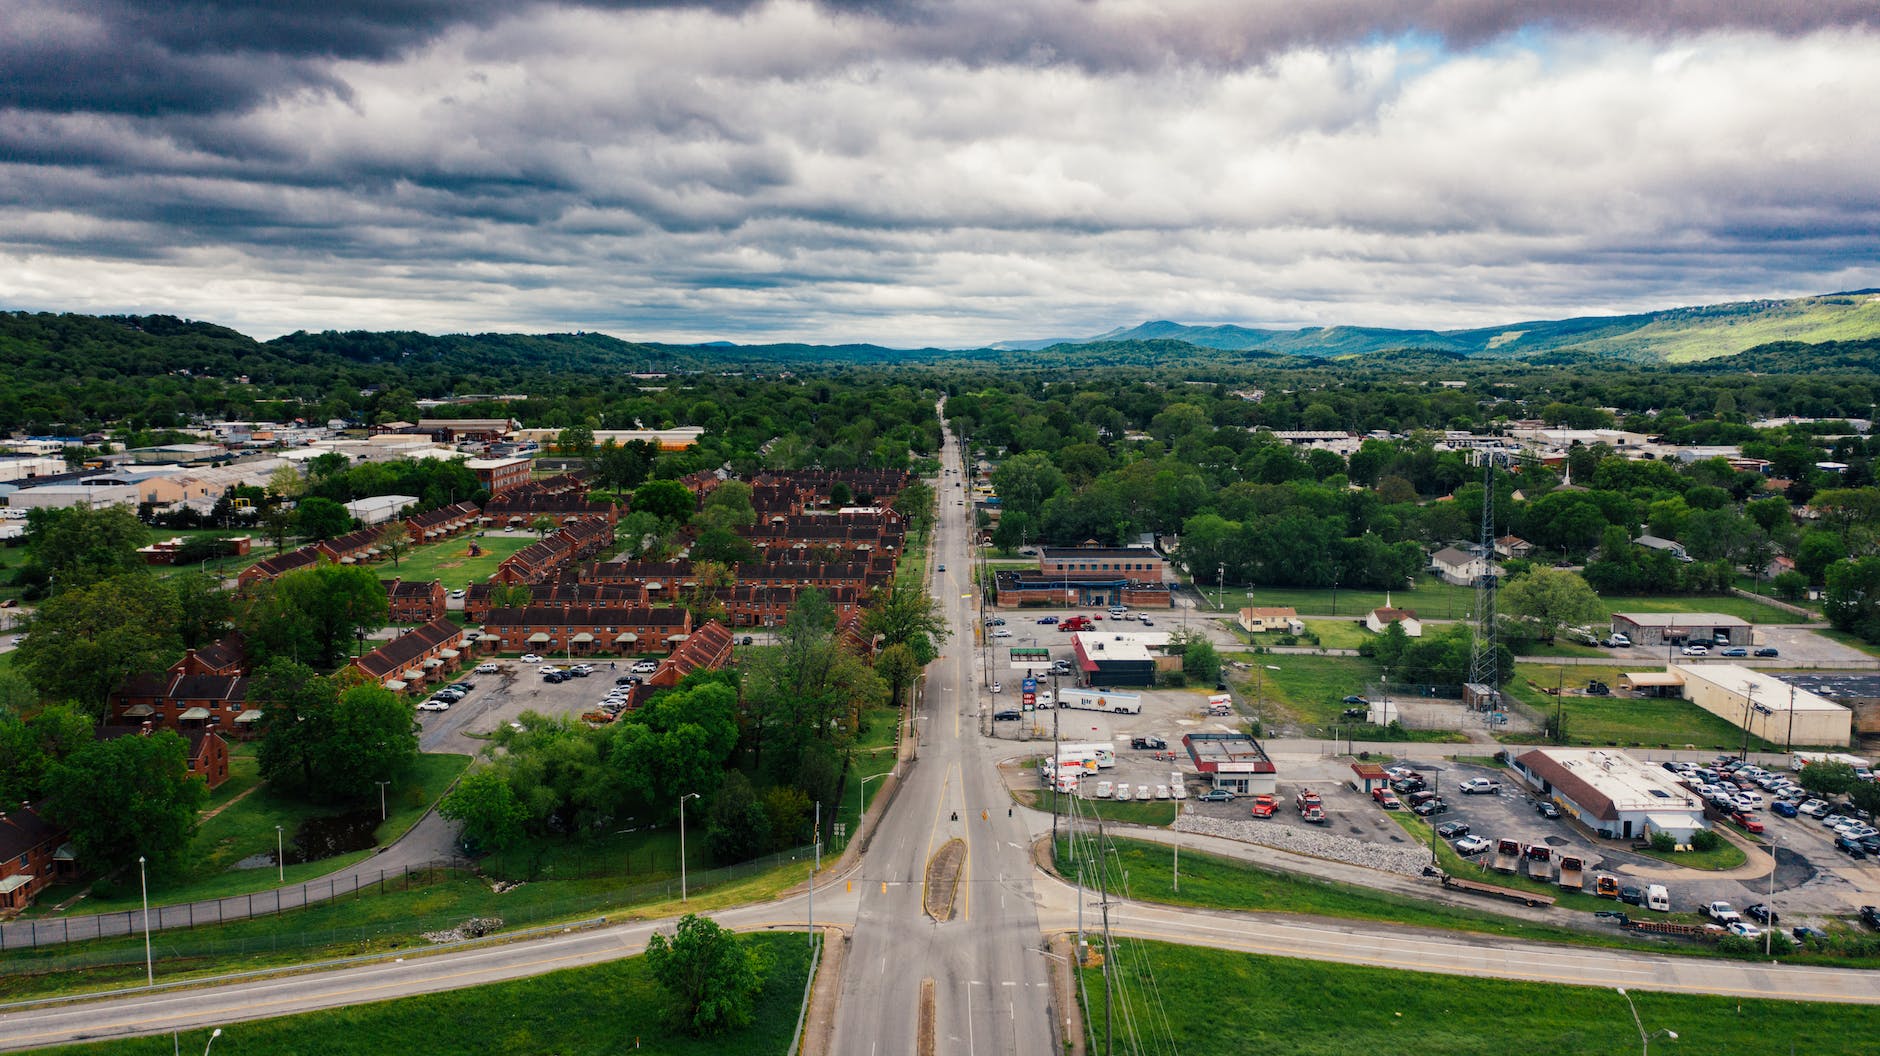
x=1623, y=720
x=1434, y=599
x=246, y=828
x=1246, y=1003
x=607, y=1008
x=450, y=562
x=1310, y=690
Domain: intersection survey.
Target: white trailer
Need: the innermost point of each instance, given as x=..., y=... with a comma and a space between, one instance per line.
x=1102, y=700
x=1802, y=759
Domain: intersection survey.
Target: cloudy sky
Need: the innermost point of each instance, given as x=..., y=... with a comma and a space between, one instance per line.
x=916, y=171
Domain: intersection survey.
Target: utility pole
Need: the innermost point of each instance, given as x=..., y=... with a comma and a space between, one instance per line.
x=1056, y=747
x=1103, y=894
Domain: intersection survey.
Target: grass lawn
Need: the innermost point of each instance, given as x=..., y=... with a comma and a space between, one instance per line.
x=1623, y=720
x=1242, y=1002
x=1729, y=605
x=1309, y=692
x=1159, y=813
x=450, y=560
x=1726, y=856
x=247, y=828
x=607, y=1008
x=1559, y=647
x=1334, y=634
x=260, y=548
x=874, y=754
x=1434, y=599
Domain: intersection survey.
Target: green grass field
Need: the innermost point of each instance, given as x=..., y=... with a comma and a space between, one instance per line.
x=1622, y=720
x=1224, y=1001
x=605, y=1009
x=1309, y=691
x=1849, y=640
x=1156, y=813
x=874, y=753
x=246, y=828
x=1333, y=634
x=450, y=562
x=1434, y=599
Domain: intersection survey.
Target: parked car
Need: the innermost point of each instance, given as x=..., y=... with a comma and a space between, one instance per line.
x=1386, y=798
x=434, y=704
x=1783, y=808
x=1477, y=786
x=1453, y=830
x=1762, y=914
x=456, y=594
x=1768, y=650
x=1617, y=641
x=1008, y=715
x=1804, y=933
x=645, y=667
x=1736, y=650
x=1851, y=848
x=1403, y=786
x=1430, y=808
x=464, y=684
x=1216, y=795
x=1152, y=744
x=530, y=658
x=998, y=687
x=1355, y=699
x=1814, y=808
x=1546, y=809
x=1695, y=650
x=1743, y=929
x=1469, y=846
x=487, y=669
x=747, y=640
x=1632, y=896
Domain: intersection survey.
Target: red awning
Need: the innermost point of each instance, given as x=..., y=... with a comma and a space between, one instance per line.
x=1083, y=659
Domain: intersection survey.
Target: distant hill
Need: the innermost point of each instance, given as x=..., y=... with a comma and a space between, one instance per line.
x=1675, y=335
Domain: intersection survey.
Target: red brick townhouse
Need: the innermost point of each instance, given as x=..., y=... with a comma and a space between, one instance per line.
x=823, y=575
x=443, y=523
x=476, y=602
x=30, y=856
x=757, y=605
x=587, y=630
x=422, y=656
x=207, y=752
x=353, y=548
x=414, y=602
x=707, y=648
x=277, y=566
x=207, y=688
x=667, y=574
x=571, y=542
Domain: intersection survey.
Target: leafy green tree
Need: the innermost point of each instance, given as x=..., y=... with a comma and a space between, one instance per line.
x=488, y=814
x=723, y=546
x=1866, y=796
x=736, y=829
x=1200, y=661
x=294, y=700
x=128, y=797
x=321, y=518
x=1852, y=597
x=84, y=642
x=1826, y=779
x=916, y=503
x=313, y=614
x=1014, y=531
x=28, y=747
x=366, y=737
x=1025, y=480
x=623, y=467
x=393, y=539
x=204, y=610
x=711, y=977
x=727, y=507
x=576, y=440
x=511, y=596
x=897, y=667
x=907, y=617
x=1790, y=585
x=1544, y=600
x=668, y=500
x=1816, y=551
x=79, y=546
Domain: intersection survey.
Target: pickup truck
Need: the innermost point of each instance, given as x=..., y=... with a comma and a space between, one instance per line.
x=1265, y=806
x=1572, y=872
x=1386, y=798
x=1721, y=912
x=1507, y=856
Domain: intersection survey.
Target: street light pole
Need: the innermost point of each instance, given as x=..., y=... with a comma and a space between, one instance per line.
x=150, y=972
x=381, y=785
x=1769, y=932
x=1644, y=1039
x=214, y=1034
x=280, y=856
x=861, y=805
x=682, y=799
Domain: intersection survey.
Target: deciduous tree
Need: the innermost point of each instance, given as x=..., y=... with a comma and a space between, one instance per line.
x=710, y=976
x=128, y=797
x=84, y=642
x=1544, y=600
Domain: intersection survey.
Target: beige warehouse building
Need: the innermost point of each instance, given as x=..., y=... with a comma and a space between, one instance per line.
x=1768, y=707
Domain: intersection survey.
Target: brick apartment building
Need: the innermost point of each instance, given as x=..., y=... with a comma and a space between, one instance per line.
x=443, y=523
x=707, y=648
x=573, y=541
x=414, y=601
x=425, y=655
x=30, y=856
x=588, y=630
x=498, y=475
x=206, y=751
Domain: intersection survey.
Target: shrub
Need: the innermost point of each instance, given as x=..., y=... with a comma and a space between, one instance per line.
x=1664, y=842
x=1705, y=840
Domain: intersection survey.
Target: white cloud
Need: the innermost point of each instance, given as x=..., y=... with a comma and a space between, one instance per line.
x=789, y=173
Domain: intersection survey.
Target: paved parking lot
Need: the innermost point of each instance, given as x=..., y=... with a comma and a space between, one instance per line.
x=1797, y=644
x=502, y=698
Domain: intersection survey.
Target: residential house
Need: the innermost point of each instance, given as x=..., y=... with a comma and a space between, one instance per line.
x=1513, y=546
x=442, y=523
x=1378, y=619
x=572, y=542
x=423, y=655
x=1464, y=568
x=1276, y=618
x=587, y=630
x=31, y=856
x=414, y=601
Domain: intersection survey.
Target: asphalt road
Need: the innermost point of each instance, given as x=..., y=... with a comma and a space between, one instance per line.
x=990, y=989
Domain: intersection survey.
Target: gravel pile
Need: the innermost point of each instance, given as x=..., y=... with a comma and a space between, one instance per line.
x=1408, y=861
x=474, y=928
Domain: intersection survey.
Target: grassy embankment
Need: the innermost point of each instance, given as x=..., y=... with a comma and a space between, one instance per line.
x=604, y=1009
x=1248, y=1003
x=244, y=827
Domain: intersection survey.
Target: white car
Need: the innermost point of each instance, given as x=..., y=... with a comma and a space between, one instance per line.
x=1104, y=788
x=1122, y=790
x=1144, y=792
x=645, y=667
x=1744, y=929
x=456, y=594
x=1814, y=808
x=998, y=687
x=1161, y=792
x=1179, y=791
x=434, y=704
x=1002, y=632
x=487, y=669
x=530, y=658
x=1479, y=786
x=1696, y=650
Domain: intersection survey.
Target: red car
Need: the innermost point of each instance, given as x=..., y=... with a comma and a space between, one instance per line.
x=1748, y=822
x=1264, y=806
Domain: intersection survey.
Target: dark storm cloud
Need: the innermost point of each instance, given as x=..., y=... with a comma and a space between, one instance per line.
x=206, y=56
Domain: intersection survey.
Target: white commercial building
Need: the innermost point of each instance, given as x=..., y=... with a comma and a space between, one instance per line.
x=377, y=509
x=1766, y=706
x=1613, y=794
x=66, y=496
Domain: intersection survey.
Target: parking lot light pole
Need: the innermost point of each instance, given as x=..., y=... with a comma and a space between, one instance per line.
x=381, y=785
x=682, y=799
x=280, y=856
x=150, y=972
x=1644, y=1039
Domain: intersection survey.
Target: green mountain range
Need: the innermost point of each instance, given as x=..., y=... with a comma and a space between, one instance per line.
x=1675, y=335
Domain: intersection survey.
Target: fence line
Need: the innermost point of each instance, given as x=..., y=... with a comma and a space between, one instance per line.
x=27, y=935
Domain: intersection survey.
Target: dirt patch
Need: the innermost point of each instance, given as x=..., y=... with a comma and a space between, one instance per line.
x=943, y=880
x=924, y=1033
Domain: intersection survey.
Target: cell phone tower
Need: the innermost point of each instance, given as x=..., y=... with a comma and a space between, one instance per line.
x=1484, y=658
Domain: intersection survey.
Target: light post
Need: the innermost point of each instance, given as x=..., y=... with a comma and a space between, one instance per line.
x=1644, y=1039
x=682, y=799
x=1769, y=932
x=150, y=971
x=381, y=785
x=861, y=805
x=280, y=855
x=1220, y=586
x=214, y=1034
